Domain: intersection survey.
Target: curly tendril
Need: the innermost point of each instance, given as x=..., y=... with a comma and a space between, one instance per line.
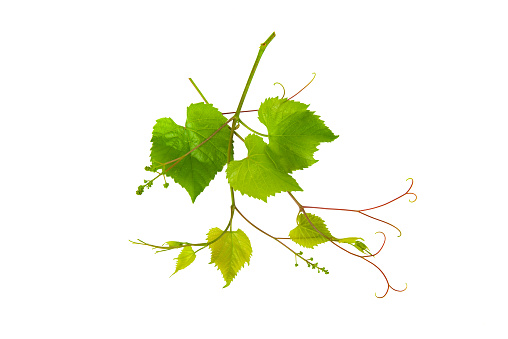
x=416, y=197
x=282, y=88
x=386, y=279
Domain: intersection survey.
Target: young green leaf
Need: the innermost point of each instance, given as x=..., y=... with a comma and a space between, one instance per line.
x=257, y=175
x=184, y=259
x=354, y=241
x=294, y=133
x=170, y=141
x=305, y=235
x=360, y=246
x=350, y=240
x=230, y=252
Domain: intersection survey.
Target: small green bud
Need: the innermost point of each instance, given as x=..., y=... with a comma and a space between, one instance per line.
x=311, y=259
x=140, y=190
x=296, y=265
x=166, y=185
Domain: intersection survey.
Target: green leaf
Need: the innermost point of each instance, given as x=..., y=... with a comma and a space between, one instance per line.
x=230, y=252
x=294, y=133
x=350, y=240
x=305, y=235
x=354, y=241
x=184, y=259
x=170, y=141
x=256, y=175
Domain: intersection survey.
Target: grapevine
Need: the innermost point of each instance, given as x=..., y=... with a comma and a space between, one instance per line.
x=193, y=154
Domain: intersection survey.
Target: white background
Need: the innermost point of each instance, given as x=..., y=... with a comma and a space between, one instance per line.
x=414, y=89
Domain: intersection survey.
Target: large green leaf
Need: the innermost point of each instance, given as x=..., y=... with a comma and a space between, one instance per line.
x=230, y=252
x=294, y=133
x=256, y=175
x=305, y=235
x=184, y=259
x=170, y=141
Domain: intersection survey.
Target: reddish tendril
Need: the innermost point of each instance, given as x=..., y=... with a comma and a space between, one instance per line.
x=304, y=87
x=255, y=110
x=252, y=110
x=371, y=208
x=370, y=262
x=365, y=214
x=386, y=279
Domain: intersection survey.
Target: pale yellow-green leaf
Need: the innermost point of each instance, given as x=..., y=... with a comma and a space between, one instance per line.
x=184, y=259
x=230, y=252
x=355, y=242
x=257, y=175
x=305, y=235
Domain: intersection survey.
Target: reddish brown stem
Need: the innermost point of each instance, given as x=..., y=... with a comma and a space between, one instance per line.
x=252, y=110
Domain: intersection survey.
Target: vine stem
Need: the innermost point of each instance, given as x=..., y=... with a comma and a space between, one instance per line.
x=236, y=117
x=204, y=244
x=197, y=89
x=271, y=236
x=262, y=49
